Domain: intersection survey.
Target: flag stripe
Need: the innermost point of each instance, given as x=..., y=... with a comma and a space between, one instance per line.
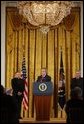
x=25, y=98
x=25, y=105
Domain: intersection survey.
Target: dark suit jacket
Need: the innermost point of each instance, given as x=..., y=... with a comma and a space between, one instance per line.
x=74, y=111
x=77, y=83
x=18, y=85
x=8, y=110
x=47, y=78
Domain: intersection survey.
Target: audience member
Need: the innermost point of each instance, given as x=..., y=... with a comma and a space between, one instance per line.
x=8, y=109
x=74, y=107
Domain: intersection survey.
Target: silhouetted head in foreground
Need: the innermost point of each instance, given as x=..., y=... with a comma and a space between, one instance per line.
x=76, y=93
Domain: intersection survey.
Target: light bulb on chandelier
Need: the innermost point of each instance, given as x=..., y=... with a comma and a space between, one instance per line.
x=45, y=14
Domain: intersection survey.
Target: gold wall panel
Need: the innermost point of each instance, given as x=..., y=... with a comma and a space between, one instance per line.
x=42, y=51
x=38, y=62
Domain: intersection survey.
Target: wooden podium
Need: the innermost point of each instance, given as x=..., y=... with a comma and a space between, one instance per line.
x=42, y=96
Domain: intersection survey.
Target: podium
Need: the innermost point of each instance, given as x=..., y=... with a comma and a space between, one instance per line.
x=42, y=97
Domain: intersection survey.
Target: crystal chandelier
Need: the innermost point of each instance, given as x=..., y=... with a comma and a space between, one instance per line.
x=44, y=14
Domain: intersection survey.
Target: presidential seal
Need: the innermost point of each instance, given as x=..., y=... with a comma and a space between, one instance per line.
x=42, y=87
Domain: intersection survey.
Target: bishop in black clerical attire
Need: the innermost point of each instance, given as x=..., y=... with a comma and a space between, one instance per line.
x=18, y=87
x=77, y=81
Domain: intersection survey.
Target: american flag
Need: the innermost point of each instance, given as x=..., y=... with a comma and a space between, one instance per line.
x=25, y=98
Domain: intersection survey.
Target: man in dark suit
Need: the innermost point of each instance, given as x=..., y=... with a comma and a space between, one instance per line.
x=74, y=107
x=77, y=81
x=18, y=87
x=44, y=77
x=8, y=114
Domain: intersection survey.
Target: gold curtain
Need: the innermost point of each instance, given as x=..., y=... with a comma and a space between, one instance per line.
x=42, y=51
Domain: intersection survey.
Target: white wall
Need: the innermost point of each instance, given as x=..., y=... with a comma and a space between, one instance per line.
x=81, y=39
x=3, y=16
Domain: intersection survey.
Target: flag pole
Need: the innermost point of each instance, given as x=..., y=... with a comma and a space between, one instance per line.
x=61, y=87
x=23, y=50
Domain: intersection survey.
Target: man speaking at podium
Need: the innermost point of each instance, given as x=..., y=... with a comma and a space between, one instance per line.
x=43, y=91
x=44, y=77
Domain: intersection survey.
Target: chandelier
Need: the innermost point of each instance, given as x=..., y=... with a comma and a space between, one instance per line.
x=44, y=14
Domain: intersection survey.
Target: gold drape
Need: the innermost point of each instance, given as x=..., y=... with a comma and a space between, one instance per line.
x=42, y=51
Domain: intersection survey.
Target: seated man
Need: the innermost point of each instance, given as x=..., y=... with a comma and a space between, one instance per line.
x=44, y=77
x=74, y=107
